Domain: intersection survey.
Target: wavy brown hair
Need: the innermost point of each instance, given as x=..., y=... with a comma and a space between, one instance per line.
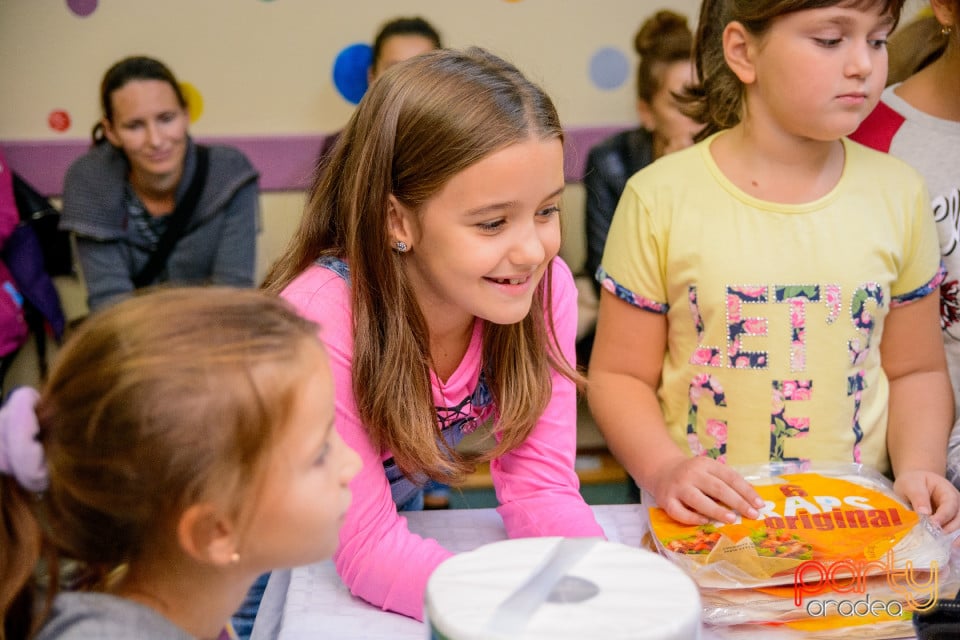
x=143, y=415
x=717, y=97
x=423, y=122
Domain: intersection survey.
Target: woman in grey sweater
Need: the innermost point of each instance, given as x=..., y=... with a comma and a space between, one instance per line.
x=120, y=198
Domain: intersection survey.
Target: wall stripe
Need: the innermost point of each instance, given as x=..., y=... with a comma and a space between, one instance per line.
x=285, y=162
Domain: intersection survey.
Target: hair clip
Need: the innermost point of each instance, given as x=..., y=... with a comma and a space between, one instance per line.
x=21, y=454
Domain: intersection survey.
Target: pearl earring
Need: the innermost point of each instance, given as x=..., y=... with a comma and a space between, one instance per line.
x=401, y=246
x=234, y=558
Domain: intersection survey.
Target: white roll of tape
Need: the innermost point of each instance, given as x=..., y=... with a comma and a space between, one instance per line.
x=556, y=588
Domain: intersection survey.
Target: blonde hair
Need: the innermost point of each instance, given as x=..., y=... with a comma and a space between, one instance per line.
x=147, y=412
x=421, y=123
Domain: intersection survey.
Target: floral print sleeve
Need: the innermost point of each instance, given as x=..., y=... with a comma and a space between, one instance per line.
x=921, y=292
x=625, y=294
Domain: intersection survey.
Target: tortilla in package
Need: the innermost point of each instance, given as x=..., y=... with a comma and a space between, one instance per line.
x=833, y=553
x=846, y=517
x=821, y=599
x=877, y=607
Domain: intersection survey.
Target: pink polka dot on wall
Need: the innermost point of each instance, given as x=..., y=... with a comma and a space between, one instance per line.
x=59, y=120
x=82, y=8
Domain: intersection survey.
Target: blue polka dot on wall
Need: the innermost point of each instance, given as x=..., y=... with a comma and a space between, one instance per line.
x=350, y=71
x=609, y=68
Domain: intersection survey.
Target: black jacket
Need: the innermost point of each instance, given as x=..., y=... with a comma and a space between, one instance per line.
x=609, y=166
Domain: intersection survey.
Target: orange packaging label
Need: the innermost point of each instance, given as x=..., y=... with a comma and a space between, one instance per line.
x=807, y=516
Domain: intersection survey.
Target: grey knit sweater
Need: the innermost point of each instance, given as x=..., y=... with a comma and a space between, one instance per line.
x=218, y=246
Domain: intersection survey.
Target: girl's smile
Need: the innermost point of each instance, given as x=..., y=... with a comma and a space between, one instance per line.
x=513, y=286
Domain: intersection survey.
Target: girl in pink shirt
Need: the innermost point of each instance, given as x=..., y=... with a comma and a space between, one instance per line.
x=429, y=250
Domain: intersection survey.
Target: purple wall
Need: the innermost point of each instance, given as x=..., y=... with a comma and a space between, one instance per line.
x=285, y=162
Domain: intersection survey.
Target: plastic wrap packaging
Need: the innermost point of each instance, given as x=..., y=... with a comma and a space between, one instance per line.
x=834, y=554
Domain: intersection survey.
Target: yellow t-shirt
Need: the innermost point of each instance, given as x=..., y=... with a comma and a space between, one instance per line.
x=775, y=311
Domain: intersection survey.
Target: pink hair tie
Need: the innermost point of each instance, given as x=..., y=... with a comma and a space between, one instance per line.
x=21, y=454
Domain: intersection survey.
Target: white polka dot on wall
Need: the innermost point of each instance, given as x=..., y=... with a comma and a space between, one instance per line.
x=82, y=8
x=59, y=120
x=194, y=100
x=609, y=68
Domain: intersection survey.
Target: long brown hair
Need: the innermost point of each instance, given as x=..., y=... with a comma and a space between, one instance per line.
x=717, y=97
x=144, y=414
x=424, y=121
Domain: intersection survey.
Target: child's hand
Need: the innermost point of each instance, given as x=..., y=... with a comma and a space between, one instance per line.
x=700, y=490
x=931, y=493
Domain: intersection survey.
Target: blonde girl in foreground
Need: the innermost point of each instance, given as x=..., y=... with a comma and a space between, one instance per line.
x=175, y=457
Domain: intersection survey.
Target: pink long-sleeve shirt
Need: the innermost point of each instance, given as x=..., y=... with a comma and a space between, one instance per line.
x=379, y=559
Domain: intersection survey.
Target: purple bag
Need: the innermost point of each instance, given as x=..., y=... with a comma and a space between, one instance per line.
x=13, y=323
x=24, y=257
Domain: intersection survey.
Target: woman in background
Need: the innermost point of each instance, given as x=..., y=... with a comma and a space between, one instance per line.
x=129, y=197
x=397, y=40
x=663, y=43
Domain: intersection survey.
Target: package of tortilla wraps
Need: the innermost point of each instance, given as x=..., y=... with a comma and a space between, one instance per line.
x=863, y=616
x=842, y=518
x=879, y=598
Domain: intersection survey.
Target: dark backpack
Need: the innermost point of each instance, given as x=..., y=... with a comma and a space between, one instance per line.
x=38, y=212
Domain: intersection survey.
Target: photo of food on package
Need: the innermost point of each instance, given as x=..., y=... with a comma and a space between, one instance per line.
x=821, y=516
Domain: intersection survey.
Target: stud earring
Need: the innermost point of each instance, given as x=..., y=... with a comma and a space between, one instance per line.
x=946, y=29
x=401, y=246
x=234, y=558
